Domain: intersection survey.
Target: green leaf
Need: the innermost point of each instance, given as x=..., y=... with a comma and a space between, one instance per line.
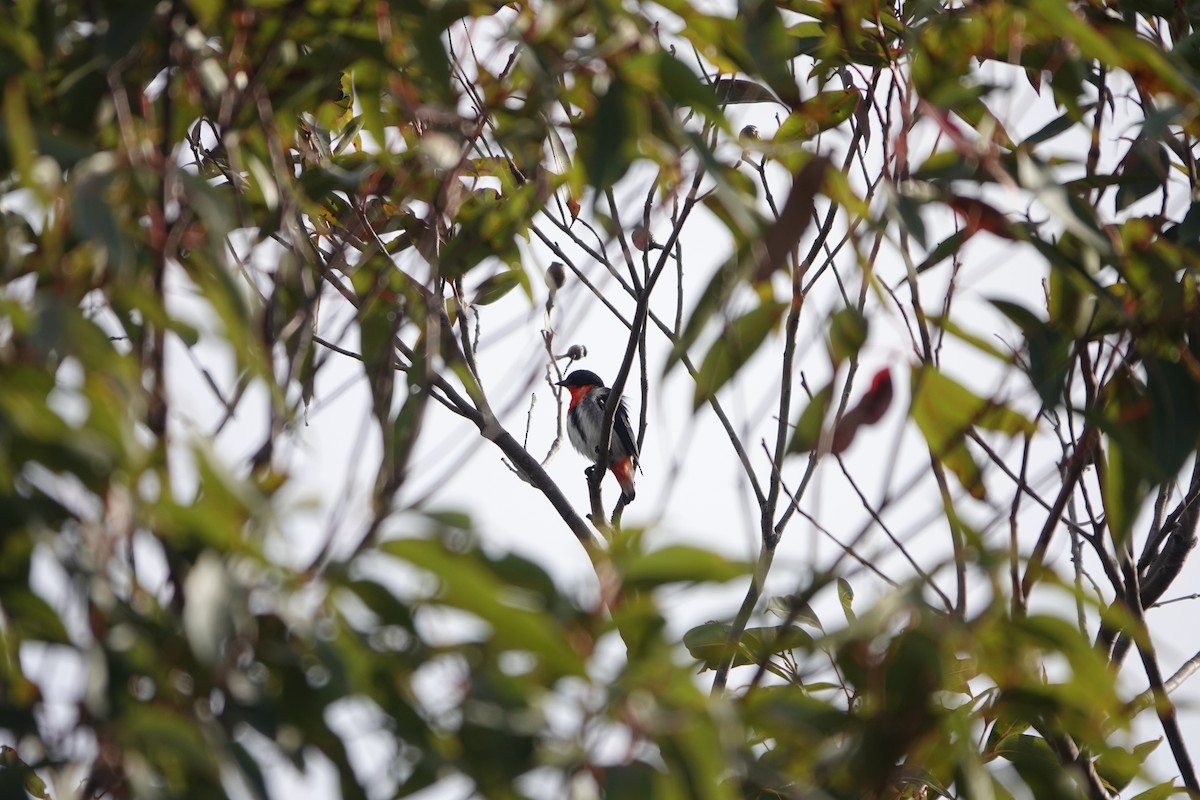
x=808, y=428
x=848, y=330
x=251, y=772
x=739, y=90
x=17, y=777
x=496, y=286
x=18, y=131
x=978, y=342
x=731, y=351
x=468, y=583
x=819, y=113
x=683, y=86
x=1161, y=791
x=943, y=250
x=944, y=411
x=1118, y=766
x=706, y=643
x=31, y=616
x=846, y=598
x=763, y=642
x=793, y=607
x=1174, y=395
x=1051, y=129
x=636, y=781
x=609, y=144
x=1037, y=766
x=769, y=47
x=1143, y=170
x=678, y=564
x=1048, y=348
x=1128, y=477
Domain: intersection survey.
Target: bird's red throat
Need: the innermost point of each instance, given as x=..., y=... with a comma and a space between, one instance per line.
x=577, y=394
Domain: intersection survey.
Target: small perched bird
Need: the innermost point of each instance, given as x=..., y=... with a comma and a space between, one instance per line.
x=585, y=415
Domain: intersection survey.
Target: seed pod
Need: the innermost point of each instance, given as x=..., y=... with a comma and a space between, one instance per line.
x=556, y=276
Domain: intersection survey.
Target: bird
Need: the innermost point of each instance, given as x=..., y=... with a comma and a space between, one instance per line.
x=585, y=417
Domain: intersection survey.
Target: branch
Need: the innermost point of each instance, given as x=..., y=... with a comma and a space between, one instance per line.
x=1163, y=705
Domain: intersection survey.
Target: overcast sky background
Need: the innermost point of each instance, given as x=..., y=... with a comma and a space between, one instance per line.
x=693, y=489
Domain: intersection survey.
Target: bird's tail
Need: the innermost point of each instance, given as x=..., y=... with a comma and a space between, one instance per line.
x=623, y=471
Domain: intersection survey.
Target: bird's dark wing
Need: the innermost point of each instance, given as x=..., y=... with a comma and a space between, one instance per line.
x=622, y=430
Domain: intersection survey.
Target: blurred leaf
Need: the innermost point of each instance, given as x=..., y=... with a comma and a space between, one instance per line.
x=739, y=90
x=1037, y=765
x=469, y=584
x=1118, y=766
x=1051, y=129
x=819, y=113
x=1161, y=791
x=730, y=352
x=769, y=47
x=636, y=781
x=780, y=240
x=811, y=422
x=846, y=598
x=679, y=563
x=848, y=330
x=1075, y=216
x=1143, y=170
x=978, y=342
x=770, y=640
x=17, y=778
x=32, y=617
x=944, y=411
x=251, y=773
x=683, y=86
x=907, y=211
x=609, y=144
x=869, y=409
x=707, y=644
x=1048, y=352
x=946, y=248
x=793, y=607
x=1130, y=472
x=975, y=215
x=18, y=131
x=495, y=287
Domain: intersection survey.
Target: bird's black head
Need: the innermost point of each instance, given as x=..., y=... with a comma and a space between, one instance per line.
x=581, y=377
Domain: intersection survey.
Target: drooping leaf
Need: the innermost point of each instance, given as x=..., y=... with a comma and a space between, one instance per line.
x=848, y=331
x=810, y=424
x=729, y=353
x=32, y=617
x=945, y=410
x=1143, y=170
x=497, y=286
x=846, y=598
x=1048, y=348
x=740, y=90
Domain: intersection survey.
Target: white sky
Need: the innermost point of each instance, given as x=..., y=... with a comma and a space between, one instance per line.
x=693, y=489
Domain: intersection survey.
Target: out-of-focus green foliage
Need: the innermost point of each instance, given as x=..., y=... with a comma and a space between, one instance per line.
x=401, y=155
